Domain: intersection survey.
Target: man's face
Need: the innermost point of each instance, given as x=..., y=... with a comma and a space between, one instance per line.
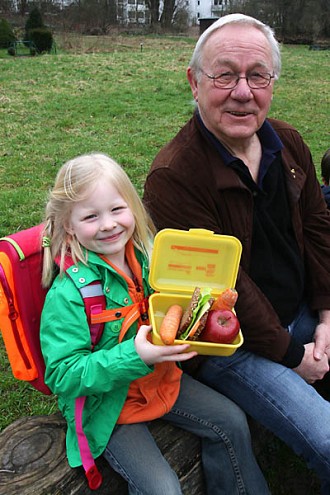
x=234, y=115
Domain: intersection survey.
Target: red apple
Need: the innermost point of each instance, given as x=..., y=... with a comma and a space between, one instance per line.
x=221, y=327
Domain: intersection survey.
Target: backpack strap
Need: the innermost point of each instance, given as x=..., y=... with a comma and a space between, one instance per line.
x=97, y=315
x=130, y=313
x=94, y=301
x=93, y=475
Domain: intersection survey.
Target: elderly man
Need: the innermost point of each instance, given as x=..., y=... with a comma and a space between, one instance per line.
x=234, y=171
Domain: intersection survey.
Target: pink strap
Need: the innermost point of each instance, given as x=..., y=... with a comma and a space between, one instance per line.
x=93, y=475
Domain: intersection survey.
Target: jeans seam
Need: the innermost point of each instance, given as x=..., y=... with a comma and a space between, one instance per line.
x=121, y=471
x=224, y=438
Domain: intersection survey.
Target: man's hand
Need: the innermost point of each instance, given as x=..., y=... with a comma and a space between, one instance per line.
x=311, y=369
x=322, y=336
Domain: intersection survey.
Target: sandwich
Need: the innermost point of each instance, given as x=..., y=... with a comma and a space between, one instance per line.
x=194, y=317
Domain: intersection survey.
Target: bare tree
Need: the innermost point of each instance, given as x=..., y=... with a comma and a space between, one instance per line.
x=23, y=7
x=6, y=6
x=93, y=15
x=298, y=21
x=168, y=13
x=153, y=6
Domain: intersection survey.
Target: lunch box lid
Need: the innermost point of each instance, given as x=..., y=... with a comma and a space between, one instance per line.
x=182, y=260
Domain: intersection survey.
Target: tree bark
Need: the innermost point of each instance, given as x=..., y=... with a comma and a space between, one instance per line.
x=33, y=460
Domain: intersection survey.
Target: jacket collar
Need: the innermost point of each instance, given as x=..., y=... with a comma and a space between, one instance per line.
x=85, y=274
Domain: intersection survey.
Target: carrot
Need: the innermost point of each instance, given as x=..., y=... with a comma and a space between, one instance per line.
x=170, y=324
x=226, y=300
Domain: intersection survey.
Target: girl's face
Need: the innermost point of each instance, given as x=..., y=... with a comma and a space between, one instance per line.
x=103, y=222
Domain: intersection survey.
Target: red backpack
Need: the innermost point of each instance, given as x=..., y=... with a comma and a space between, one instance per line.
x=21, y=301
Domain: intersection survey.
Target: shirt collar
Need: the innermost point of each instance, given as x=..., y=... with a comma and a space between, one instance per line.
x=270, y=142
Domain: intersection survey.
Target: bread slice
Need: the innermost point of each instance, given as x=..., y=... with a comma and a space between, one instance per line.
x=188, y=313
x=194, y=317
x=199, y=326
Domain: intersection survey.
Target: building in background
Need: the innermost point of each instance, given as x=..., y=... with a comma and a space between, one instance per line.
x=207, y=9
x=127, y=12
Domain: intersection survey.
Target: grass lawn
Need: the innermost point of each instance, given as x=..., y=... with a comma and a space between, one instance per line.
x=125, y=96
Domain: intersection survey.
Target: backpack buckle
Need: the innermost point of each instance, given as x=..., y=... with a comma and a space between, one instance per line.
x=144, y=306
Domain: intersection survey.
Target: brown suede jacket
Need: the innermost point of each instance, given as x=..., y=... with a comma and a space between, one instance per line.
x=189, y=186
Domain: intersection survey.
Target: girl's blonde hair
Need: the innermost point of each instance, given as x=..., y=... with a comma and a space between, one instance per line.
x=74, y=182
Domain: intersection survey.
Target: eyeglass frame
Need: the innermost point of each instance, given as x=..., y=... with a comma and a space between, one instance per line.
x=214, y=78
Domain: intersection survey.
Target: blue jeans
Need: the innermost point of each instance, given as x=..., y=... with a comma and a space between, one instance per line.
x=228, y=461
x=278, y=398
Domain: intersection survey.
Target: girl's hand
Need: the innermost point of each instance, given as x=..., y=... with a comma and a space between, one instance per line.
x=152, y=354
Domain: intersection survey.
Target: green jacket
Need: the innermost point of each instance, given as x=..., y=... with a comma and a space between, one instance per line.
x=72, y=370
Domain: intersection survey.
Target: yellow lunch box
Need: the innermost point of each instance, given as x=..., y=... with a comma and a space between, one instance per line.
x=183, y=260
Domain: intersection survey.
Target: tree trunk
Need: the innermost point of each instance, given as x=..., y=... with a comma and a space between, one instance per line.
x=33, y=460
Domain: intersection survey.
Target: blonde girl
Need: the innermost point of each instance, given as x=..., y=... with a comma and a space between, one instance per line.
x=95, y=218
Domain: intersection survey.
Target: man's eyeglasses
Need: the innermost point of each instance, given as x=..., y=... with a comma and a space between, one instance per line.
x=229, y=80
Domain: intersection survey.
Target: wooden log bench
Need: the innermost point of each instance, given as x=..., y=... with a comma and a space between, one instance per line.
x=33, y=460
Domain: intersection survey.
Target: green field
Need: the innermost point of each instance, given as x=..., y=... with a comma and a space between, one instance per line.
x=125, y=96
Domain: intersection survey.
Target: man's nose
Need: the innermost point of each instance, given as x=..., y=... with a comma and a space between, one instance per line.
x=242, y=90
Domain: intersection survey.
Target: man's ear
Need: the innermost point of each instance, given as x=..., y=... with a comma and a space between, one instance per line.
x=193, y=83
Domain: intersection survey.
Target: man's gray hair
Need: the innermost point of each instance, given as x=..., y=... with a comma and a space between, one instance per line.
x=197, y=56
